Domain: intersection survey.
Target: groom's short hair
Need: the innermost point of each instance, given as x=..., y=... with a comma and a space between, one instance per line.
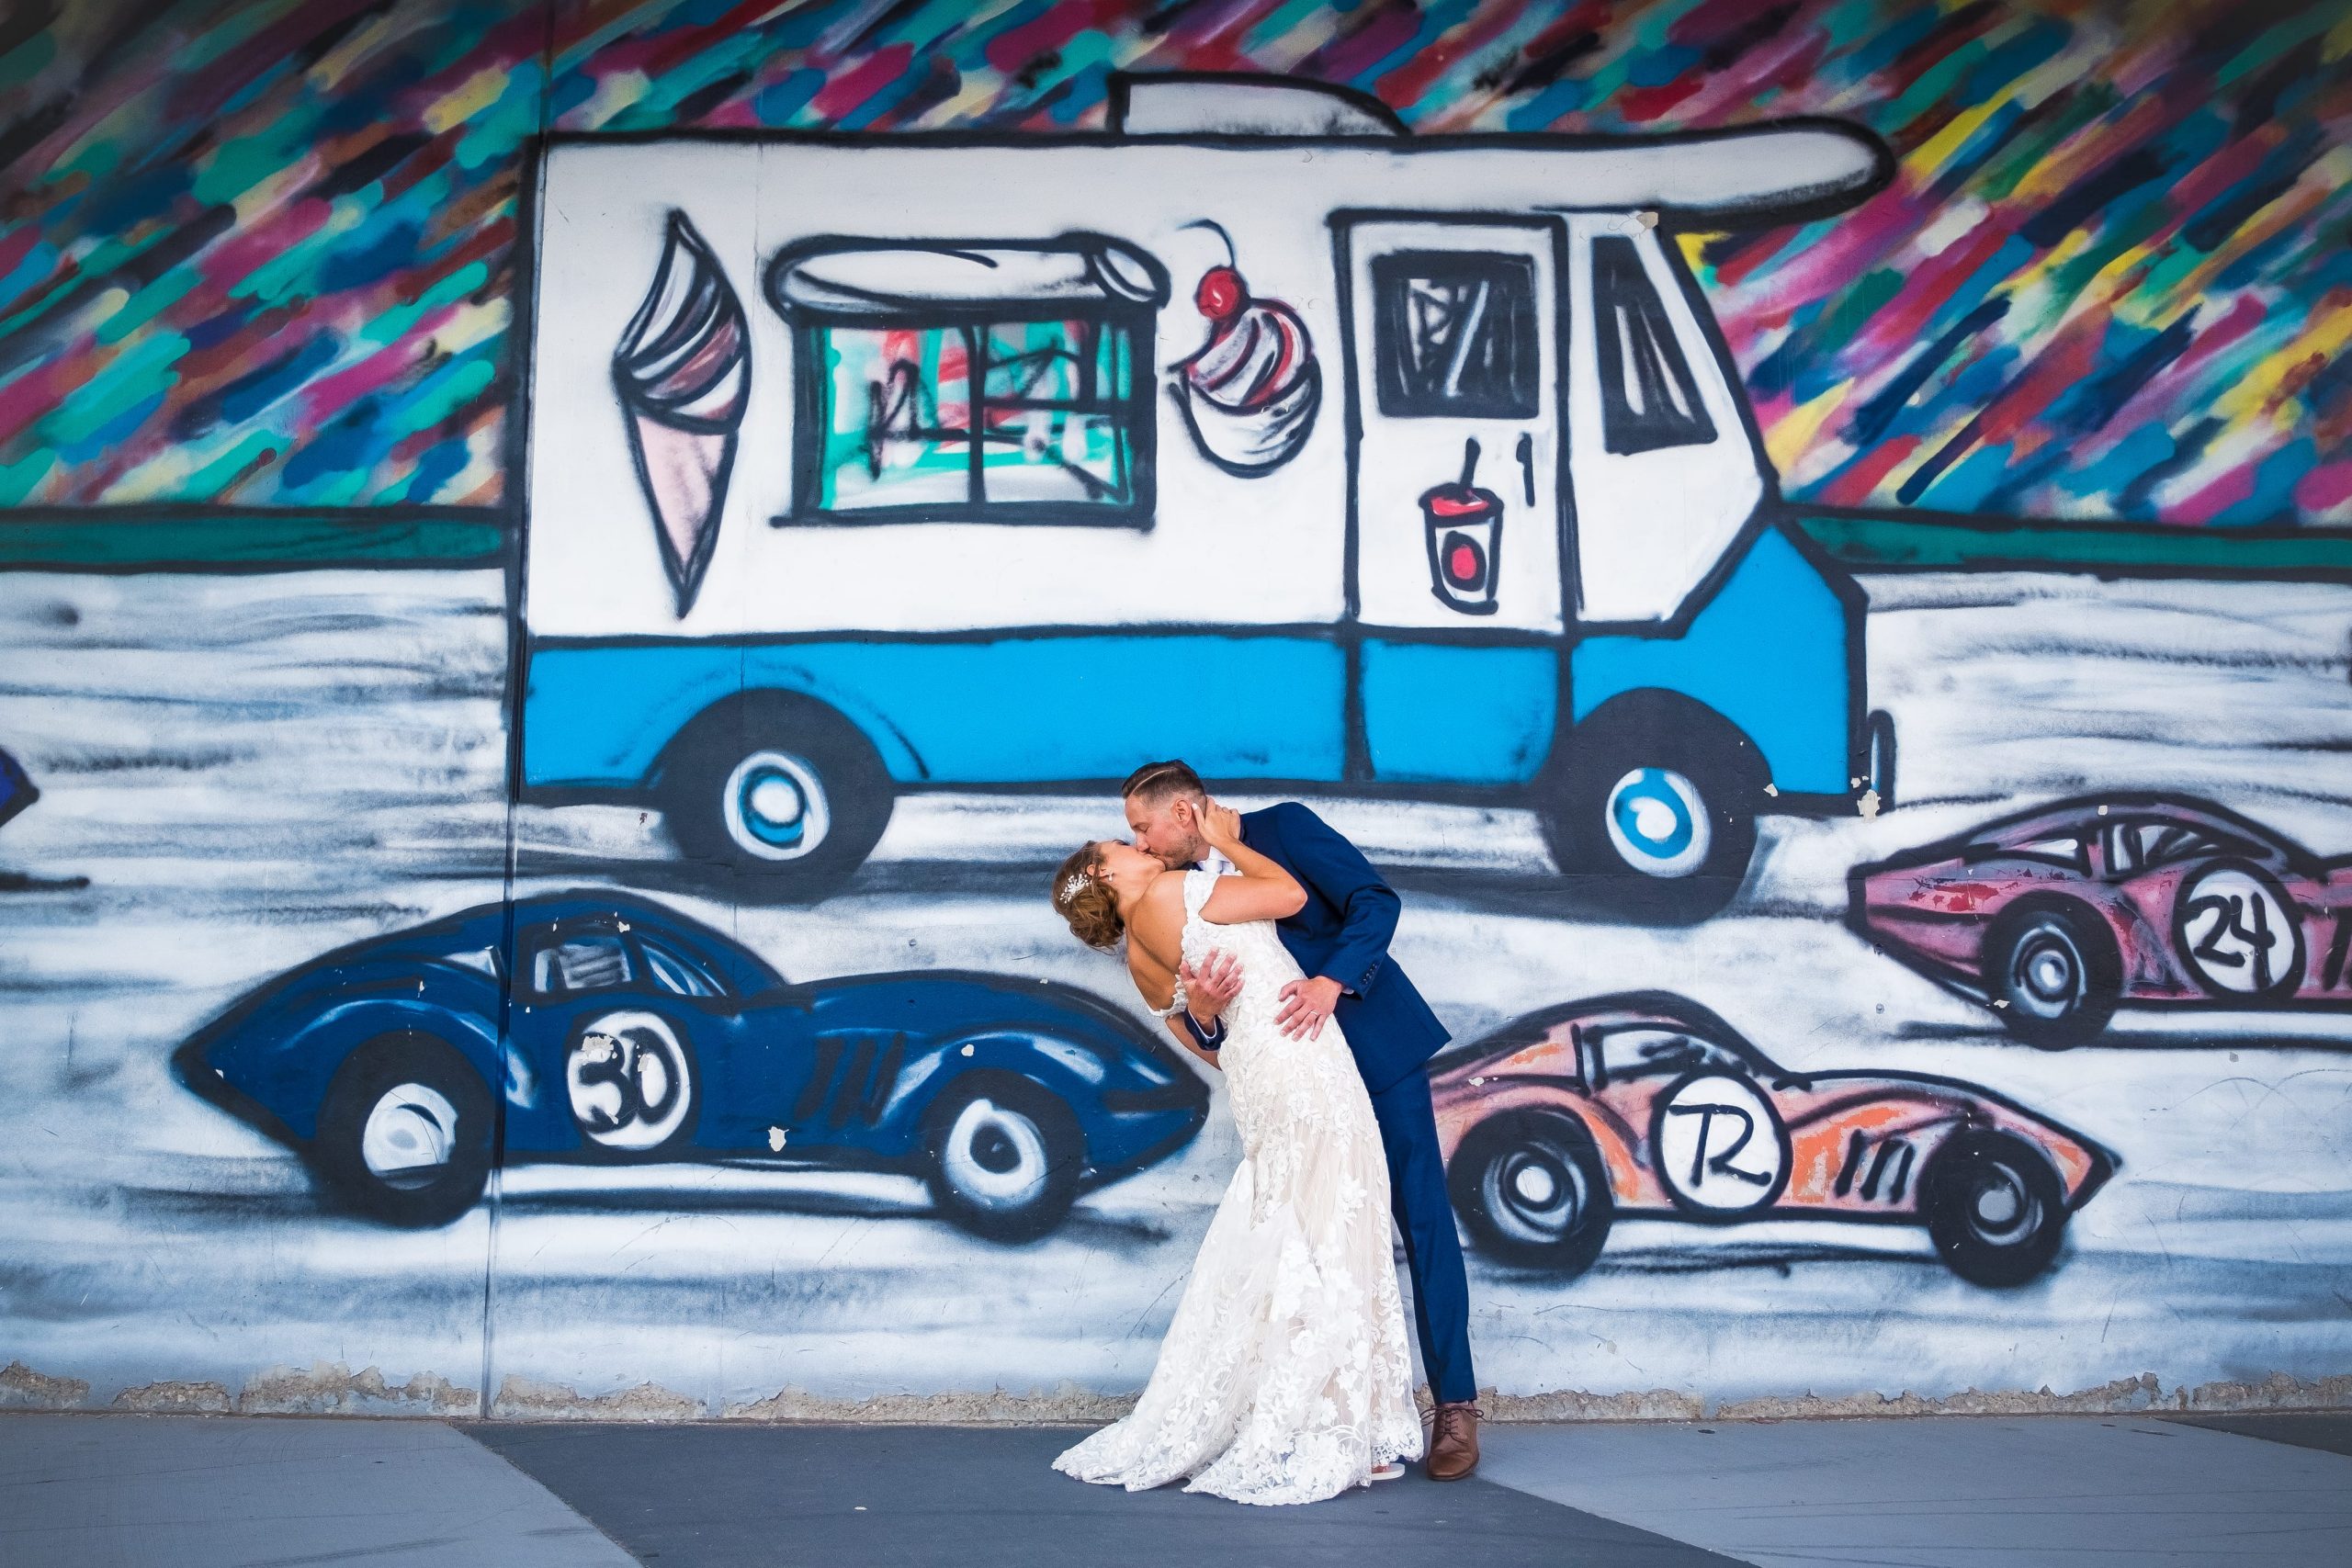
x=1157, y=782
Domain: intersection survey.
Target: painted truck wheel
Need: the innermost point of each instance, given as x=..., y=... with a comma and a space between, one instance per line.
x=1003, y=1157
x=1532, y=1189
x=404, y=1134
x=2053, y=965
x=1650, y=805
x=1994, y=1209
x=779, y=787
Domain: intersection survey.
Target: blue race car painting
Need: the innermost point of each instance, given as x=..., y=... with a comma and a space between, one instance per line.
x=636, y=1034
x=16, y=791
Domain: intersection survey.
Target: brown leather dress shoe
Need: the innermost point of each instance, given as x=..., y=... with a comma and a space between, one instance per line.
x=1453, y=1441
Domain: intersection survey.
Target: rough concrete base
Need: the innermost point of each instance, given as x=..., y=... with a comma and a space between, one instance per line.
x=333, y=1389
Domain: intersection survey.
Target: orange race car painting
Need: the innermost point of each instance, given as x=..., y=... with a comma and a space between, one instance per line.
x=1648, y=1104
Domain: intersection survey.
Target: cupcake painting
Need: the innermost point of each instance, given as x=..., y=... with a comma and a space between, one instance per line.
x=1251, y=391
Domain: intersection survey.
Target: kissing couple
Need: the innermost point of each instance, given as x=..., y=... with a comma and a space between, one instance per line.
x=1262, y=941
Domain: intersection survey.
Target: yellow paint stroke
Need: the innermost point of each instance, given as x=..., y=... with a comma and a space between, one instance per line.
x=258, y=200
x=470, y=325
x=2338, y=41
x=2292, y=206
x=2258, y=388
x=614, y=94
x=1791, y=434
x=337, y=62
x=1933, y=154
x=160, y=477
x=472, y=96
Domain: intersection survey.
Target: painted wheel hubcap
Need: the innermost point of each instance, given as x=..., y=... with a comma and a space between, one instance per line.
x=2003, y=1211
x=410, y=1134
x=995, y=1157
x=2048, y=976
x=775, y=806
x=1534, y=1194
x=1658, y=822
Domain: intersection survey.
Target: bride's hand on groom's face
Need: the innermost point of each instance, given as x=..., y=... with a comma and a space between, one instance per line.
x=1220, y=824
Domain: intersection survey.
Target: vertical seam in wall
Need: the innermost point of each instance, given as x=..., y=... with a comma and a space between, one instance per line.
x=524, y=293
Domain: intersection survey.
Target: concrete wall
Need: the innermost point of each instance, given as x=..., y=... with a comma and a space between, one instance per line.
x=496, y=920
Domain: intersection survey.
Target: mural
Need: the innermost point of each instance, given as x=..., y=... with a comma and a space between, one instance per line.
x=568, y=571
x=943, y=391
x=2059, y=915
x=680, y=370
x=1651, y=1104
x=16, y=791
x=1249, y=393
x=636, y=1034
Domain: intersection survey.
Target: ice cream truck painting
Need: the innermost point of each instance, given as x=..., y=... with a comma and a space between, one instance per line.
x=1252, y=430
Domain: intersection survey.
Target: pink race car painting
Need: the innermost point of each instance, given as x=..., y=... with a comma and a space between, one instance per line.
x=2057, y=916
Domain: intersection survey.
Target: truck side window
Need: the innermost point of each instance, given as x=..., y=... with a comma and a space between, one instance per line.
x=1648, y=396
x=1052, y=417
x=983, y=383
x=1454, y=333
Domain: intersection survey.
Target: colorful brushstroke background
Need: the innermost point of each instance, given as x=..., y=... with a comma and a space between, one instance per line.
x=265, y=252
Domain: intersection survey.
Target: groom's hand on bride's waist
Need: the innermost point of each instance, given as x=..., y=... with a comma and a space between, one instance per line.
x=1306, y=1004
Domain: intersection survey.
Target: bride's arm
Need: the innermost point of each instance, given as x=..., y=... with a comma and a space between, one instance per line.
x=1263, y=891
x=1157, y=931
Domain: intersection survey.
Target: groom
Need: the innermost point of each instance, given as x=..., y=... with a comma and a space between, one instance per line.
x=1340, y=939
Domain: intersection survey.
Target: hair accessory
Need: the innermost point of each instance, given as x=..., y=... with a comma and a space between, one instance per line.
x=1077, y=885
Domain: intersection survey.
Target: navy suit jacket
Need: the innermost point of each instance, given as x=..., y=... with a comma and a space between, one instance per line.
x=1342, y=933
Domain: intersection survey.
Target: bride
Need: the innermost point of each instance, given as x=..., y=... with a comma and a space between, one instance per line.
x=1285, y=1376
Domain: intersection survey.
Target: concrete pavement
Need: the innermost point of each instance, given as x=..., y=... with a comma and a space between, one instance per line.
x=88, y=1491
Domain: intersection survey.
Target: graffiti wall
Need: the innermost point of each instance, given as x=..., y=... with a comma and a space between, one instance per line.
x=569, y=571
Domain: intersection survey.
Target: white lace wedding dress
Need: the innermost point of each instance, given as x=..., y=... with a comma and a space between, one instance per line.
x=1285, y=1377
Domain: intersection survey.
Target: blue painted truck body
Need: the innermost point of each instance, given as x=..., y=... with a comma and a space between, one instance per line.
x=1772, y=650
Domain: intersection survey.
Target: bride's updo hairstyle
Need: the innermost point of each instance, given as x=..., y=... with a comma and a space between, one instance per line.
x=1083, y=898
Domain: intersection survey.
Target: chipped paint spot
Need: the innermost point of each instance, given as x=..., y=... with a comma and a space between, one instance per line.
x=775, y=1139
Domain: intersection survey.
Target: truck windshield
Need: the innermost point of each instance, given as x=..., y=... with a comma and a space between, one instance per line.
x=1650, y=399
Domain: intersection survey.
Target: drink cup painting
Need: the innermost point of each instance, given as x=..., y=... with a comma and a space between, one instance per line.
x=1464, y=526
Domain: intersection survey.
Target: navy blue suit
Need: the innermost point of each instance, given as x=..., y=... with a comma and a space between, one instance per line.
x=1343, y=933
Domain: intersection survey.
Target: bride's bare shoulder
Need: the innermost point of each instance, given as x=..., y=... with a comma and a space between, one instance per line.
x=1163, y=899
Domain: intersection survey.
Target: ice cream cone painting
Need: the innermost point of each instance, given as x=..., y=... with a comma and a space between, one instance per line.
x=681, y=369
x=1249, y=393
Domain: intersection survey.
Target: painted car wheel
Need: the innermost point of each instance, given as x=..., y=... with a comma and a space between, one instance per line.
x=778, y=787
x=630, y=1079
x=1004, y=1156
x=1658, y=823
x=1531, y=1187
x=1994, y=1209
x=2055, y=968
x=2235, y=930
x=404, y=1132
x=408, y=1136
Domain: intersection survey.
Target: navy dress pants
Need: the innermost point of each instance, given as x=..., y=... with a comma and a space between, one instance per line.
x=1433, y=1248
